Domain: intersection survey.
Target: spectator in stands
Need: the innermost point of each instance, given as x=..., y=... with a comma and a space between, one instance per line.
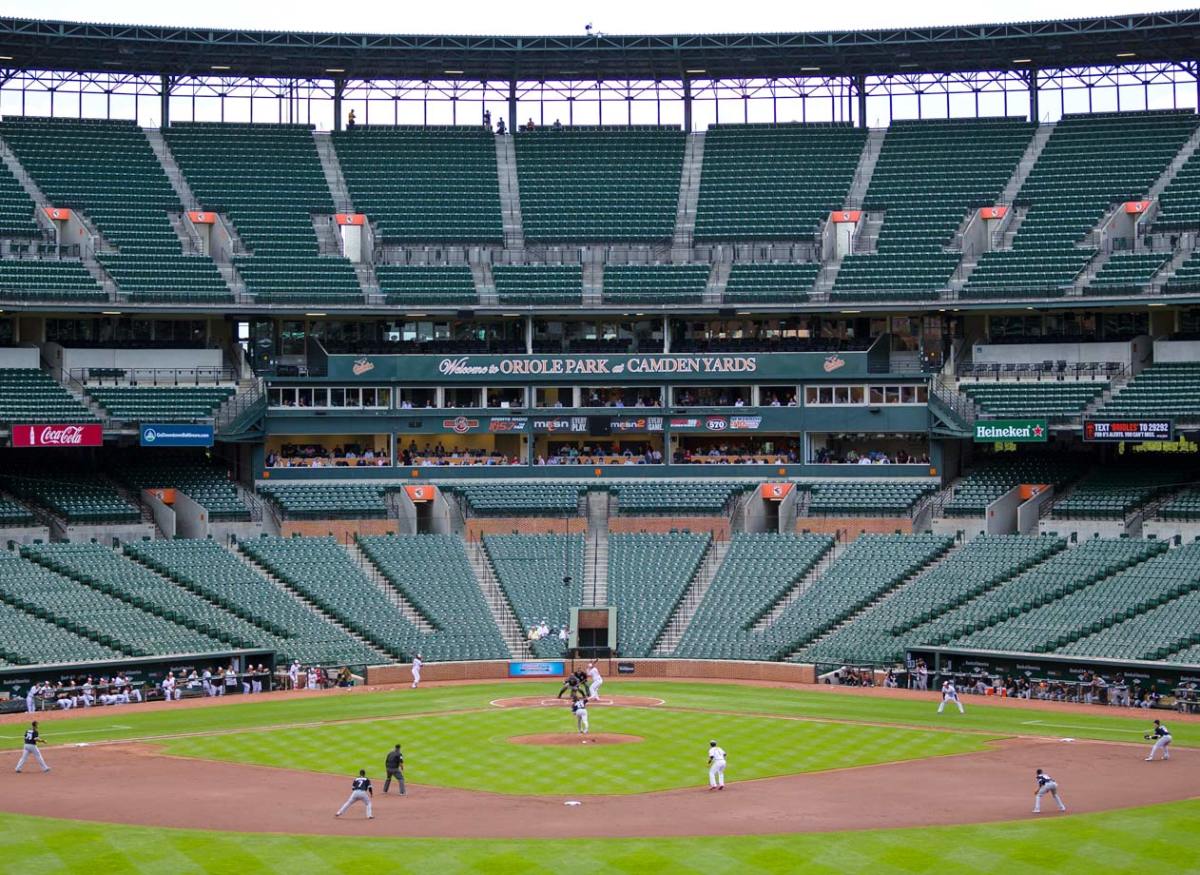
x=351, y=121
x=529, y=125
x=500, y=128
x=487, y=119
x=557, y=125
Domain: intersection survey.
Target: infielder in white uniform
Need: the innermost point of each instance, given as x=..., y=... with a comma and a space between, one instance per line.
x=949, y=694
x=360, y=792
x=594, y=682
x=579, y=706
x=716, y=766
x=1046, y=784
x=32, y=740
x=416, y=670
x=1162, y=741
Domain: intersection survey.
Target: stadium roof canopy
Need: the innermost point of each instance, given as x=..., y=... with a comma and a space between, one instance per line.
x=182, y=51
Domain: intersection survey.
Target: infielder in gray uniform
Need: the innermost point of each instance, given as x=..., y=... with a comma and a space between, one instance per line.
x=32, y=740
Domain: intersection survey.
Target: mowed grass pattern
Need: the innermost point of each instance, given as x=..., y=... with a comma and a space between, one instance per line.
x=1156, y=839
x=472, y=751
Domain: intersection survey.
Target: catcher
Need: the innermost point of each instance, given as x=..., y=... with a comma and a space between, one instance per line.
x=576, y=682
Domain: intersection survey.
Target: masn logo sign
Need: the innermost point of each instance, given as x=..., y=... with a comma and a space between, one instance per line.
x=1012, y=431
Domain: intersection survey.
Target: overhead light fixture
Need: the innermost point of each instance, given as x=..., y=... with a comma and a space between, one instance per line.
x=453, y=72
x=1022, y=60
x=850, y=312
x=417, y=315
x=5, y=57
x=1157, y=304
x=701, y=70
x=110, y=312
x=335, y=69
x=314, y=314
x=220, y=67
x=1126, y=54
x=809, y=69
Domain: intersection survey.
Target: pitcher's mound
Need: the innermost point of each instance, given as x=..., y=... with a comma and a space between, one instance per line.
x=551, y=702
x=563, y=739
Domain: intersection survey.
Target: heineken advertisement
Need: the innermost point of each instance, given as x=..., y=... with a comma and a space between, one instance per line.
x=583, y=369
x=1011, y=431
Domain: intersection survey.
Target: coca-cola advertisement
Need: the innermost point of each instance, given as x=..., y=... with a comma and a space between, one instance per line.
x=89, y=434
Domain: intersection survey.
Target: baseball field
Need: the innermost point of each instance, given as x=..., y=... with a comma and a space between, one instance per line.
x=820, y=779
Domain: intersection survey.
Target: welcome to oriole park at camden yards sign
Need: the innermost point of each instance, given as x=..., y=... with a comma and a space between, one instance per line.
x=1012, y=431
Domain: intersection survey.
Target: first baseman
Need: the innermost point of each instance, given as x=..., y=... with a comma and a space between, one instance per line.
x=716, y=766
x=1161, y=736
x=1046, y=784
x=360, y=792
x=32, y=740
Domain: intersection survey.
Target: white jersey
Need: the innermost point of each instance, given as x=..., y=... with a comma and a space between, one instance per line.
x=716, y=755
x=593, y=673
x=948, y=691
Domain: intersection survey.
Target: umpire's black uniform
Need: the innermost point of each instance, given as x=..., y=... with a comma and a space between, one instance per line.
x=395, y=769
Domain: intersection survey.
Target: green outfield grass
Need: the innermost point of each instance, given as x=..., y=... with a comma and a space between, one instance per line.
x=759, y=747
x=981, y=716
x=1160, y=839
x=436, y=724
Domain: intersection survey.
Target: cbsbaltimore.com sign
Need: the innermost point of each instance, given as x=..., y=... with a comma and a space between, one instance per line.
x=1011, y=431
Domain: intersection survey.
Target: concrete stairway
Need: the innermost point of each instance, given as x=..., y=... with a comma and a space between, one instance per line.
x=1020, y=173
x=802, y=585
x=510, y=194
x=866, y=168
x=485, y=285
x=283, y=585
x=372, y=572
x=714, y=292
x=333, y=172
x=693, y=595
x=506, y=619
x=595, y=551
x=178, y=182
x=689, y=192
x=593, y=284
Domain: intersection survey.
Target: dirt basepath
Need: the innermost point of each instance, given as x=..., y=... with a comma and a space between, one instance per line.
x=135, y=784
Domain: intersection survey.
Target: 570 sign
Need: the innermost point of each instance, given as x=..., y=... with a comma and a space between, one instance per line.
x=58, y=435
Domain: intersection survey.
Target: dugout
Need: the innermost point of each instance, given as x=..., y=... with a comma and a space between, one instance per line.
x=144, y=672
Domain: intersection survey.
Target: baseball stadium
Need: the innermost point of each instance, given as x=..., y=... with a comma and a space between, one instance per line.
x=725, y=452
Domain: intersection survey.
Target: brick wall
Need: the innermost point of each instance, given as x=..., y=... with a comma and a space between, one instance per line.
x=717, y=525
x=776, y=672
x=477, y=527
x=343, y=530
x=849, y=528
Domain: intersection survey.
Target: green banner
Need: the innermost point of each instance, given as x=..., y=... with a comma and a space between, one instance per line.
x=1011, y=431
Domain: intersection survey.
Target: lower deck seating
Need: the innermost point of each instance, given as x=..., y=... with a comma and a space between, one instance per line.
x=321, y=570
x=29, y=639
x=94, y=614
x=205, y=568
x=647, y=576
x=13, y=514
x=1185, y=507
x=74, y=497
x=876, y=636
x=1064, y=572
x=208, y=485
x=1110, y=599
x=1114, y=492
x=434, y=574
x=101, y=568
x=758, y=571
x=532, y=571
x=985, y=484
x=316, y=501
